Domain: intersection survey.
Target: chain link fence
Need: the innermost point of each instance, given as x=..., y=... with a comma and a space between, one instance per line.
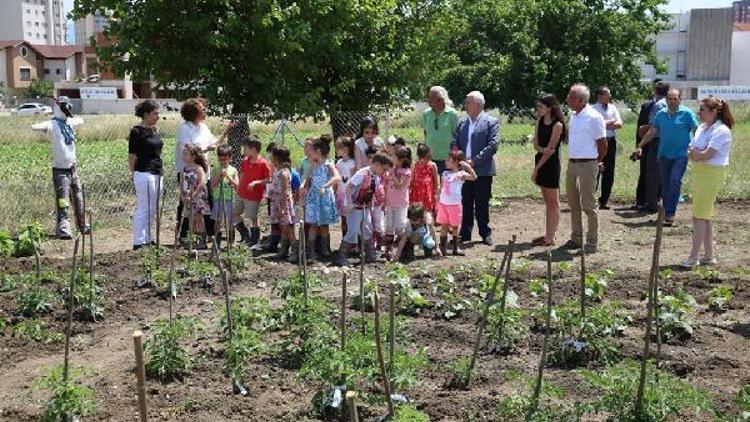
x=102, y=151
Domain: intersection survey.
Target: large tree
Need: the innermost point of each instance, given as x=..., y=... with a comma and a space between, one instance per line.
x=275, y=58
x=513, y=50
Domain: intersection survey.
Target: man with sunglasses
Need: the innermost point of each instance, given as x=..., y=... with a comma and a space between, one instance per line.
x=439, y=121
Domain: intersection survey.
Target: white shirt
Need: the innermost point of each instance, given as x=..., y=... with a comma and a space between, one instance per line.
x=63, y=155
x=361, y=145
x=586, y=127
x=450, y=189
x=472, y=124
x=717, y=137
x=611, y=113
x=346, y=169
x=198, y=135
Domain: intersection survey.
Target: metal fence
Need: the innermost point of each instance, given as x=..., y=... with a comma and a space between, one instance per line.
x=26, y=187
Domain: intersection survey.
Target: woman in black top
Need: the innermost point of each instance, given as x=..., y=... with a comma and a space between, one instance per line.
x=550, y=130
x=144, y=149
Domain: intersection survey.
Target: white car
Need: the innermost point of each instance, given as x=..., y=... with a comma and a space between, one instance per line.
x=31, y=109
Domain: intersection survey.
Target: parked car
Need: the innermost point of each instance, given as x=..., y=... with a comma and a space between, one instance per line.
x=31, y=109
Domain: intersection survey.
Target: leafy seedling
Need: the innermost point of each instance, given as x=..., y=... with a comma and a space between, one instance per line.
x=675, y=315
x=36, y=330
x=719, y=298
x=167, y=358
x=68, y=398
x=35, y=300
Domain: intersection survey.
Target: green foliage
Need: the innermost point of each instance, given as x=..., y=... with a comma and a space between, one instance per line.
x=82, y=290
x=68, y=398
x=666, y=396
x=675, y=311
x=25, y=244
x=450, y=304
x=513, y=50
x=369, y=296
x=3, y=323
x=35, y=300
x=251, y=312
x=7, y=283
x=167, y=359
x=719, y=298
x=238, y=257
x=705, y=273
x=521, y=267
x=305, y=329
x=202, y=269
x=458, y=371
x=582, y=340
x=35, y=329
x=596, y=283
x=514, y=329
x=409, y=413
x=246, y=343
x=293, y=286
x=39, y=88
x=7, y=245
x=520, y=406
x=742, y=401
x=408, y=299
x=538, y=287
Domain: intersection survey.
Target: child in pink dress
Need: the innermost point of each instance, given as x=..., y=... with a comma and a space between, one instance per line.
x=449, y=208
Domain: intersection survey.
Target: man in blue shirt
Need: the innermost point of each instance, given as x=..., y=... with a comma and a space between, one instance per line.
x=674, y=126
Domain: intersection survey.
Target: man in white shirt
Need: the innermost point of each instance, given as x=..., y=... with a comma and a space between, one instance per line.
x=587, y=147
x=64, y=176
x=612, y=120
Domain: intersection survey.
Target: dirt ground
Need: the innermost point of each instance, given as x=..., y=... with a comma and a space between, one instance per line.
x=715, y=359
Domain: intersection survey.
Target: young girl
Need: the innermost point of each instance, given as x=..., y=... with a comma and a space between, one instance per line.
x=224, y=181
x=366, y=138
x=346, y=167
x=449, y=211
x=320, y=201
x=282, y=204
x=193, y=191
x=425, y=186
x=271, y=245
x=397, y=198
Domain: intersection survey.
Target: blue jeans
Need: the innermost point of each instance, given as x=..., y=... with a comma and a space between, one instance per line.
x=671, y=171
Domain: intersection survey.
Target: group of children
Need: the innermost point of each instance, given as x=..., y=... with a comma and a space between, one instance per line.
x=383, y=203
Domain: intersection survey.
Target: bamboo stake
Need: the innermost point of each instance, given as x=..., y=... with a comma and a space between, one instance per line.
x=351, y=404
x=140, y=373
x=73, y=274
x=172, y=289
x=36, y=253
x=91, y=266
x=391, y=325
x=225, y=282
x=302, y=249
x=583, y=283
x=158, y=210
x=381, y=360
x=650, y=312
x=511, y=248
x=485, y=313
x=343, y=310
x=543, y=358
x=362, y=269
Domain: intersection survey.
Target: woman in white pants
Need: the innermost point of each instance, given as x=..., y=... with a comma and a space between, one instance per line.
x=144, y=158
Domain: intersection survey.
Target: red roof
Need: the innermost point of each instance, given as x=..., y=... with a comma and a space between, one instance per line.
x=9, y=43
x=58, y=51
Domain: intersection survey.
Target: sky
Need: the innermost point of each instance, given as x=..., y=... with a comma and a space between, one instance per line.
x=673, y=7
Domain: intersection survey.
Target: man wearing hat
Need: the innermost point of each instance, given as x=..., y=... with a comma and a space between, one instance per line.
x=64, y=176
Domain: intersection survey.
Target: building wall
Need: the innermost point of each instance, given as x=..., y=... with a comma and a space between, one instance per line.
x=11, y=20
x=671, y=47
x=739, y=74
x=4, y=68
x=741, y=11
x=35, y=21
x=16, y=62
x=709, y=44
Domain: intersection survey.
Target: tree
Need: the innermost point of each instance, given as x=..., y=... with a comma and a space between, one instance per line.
x=272, y=58
x=514, y=50
x=39, y=88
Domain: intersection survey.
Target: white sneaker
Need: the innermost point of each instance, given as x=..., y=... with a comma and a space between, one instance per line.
x=256, y=247
x=690, y=263
x=707, y=261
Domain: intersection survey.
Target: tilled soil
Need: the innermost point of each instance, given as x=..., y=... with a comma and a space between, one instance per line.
x=714, y=359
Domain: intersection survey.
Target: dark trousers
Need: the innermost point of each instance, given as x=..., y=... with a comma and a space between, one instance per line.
x=647, y=193
x=608, y=175
x=440, y=166
x=475, y=199
x=68, y=186
x=207, y=221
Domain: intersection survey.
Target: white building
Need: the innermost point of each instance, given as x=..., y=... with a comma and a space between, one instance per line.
x=89, y=26
x=34, y=21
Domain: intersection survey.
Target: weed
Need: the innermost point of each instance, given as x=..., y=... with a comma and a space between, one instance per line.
x=35, y=300
x=35, y=329
x=719, y=298
x=167, y=359
x=669, y=398
x=7, y=283
x=3, y=323
x=674, y=315
x=409, y=413
x=184, y=406
x=68, y=398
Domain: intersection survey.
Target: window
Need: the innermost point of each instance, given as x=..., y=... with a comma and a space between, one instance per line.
x=28, y=33
x=28, y=23
x=25, y=73
x=36, y=24
x=46, y=71
x=28, y=11
x=58, y=71
x=24, y=50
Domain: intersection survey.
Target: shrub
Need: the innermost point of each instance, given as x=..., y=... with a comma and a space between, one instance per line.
x=167, y=359
x=68, y=398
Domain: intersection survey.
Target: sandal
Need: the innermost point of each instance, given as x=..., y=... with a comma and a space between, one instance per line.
x=539, y=241
x=550, y=243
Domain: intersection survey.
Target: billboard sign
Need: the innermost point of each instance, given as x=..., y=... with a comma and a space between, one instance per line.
x=736, y=93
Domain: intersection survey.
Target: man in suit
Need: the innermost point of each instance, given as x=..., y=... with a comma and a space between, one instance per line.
x=478, y=136
x=647, y=192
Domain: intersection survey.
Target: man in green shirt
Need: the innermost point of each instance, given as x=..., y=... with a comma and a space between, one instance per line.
x=439, y=122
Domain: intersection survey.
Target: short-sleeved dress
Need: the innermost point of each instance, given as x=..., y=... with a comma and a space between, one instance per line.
x=548, y=175
x=320, y=209
x=282, y=205
x=423, y=186
x=346, y=170
x=200, y=202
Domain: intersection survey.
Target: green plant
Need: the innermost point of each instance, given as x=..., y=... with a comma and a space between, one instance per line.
x=250, y=312
x=742, y=400
x=35, y=300
x=293, y=285
x=675, y=311
x=596, y=283
x=409, y=413
x=449, y=303
x=719, y=298
x=521, y=268
x=24, y=246
x=7, y=245
x=520, y=406
x=167, y=359
x=35, y=329
x=68, y=398
x=3, y=322
x=306, y=328
x=538, y=287
x=666, y=396
x=244, y=344
x=408, y=299
x=238, y=257
x=7, y=283
x=457, y=372
x=369, y=296
x=82, y=291
x=203, y=270
x=513, y=327
x=705, y=274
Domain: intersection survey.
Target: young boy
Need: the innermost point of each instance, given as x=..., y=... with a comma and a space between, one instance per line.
x=360, y=189
x=254, y=174
x=417, y=232
x=224, y=181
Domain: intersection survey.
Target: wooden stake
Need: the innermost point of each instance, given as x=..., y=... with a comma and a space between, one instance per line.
x=511, y=249
x=73, y=274
x=362, y=269
x=140, y=373
x=485, y=313
x=583, y=284
x=650, y=311
x=351, y=404
x=381, y=359
x=36, y=253
x=91, y=266
x=225, y=282
x=302, y=250
x=391, y=325
x=172, y=289
x=343, y=311
x=543, y=358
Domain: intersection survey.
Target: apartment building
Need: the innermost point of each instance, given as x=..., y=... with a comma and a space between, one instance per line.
x=35, y=21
